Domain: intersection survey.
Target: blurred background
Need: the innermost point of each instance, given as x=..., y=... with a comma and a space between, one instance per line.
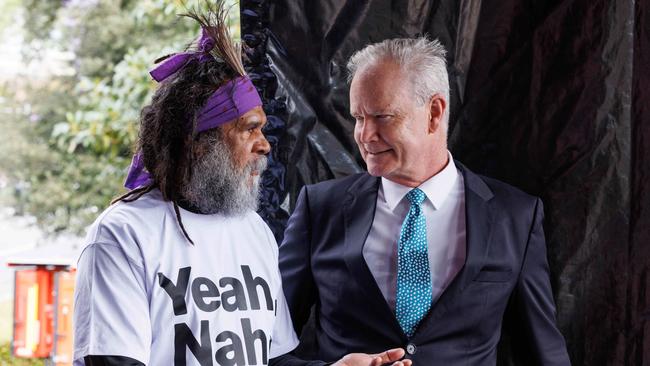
x=549, y=96
x=73, y=78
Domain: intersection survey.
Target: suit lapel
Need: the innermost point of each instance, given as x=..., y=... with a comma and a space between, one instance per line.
x=358, y=213
x=478, y=224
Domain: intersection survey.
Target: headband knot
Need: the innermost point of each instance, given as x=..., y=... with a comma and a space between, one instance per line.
x=177, y=61
x=206, y=43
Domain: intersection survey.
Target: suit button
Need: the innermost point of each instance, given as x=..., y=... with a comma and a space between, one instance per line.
x=410, y=349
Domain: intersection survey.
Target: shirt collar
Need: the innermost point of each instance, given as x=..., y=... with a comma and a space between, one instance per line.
x=436, y=188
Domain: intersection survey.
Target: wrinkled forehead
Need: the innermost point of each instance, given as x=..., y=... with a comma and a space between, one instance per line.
x=254, y=116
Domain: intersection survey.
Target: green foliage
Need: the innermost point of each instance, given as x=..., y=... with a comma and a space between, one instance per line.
x=8, y=8
x=68, y=137
x=6, y=359
x=39, y=16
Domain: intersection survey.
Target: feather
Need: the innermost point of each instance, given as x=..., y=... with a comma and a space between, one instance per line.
x=214, y=20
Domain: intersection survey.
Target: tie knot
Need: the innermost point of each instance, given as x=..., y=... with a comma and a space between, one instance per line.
x=416, y=196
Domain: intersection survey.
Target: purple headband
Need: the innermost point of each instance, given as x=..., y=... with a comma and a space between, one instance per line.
x=228, y=102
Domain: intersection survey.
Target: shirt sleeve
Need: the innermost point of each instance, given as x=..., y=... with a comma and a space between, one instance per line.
x=111, y=311
x=284, y=338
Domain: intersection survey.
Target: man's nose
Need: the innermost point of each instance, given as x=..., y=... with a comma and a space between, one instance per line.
x=367, y=130
x=262, y=146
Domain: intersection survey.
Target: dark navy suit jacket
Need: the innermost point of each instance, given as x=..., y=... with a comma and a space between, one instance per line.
x=505, y=274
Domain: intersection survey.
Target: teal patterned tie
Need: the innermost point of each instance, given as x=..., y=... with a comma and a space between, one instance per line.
x=414, y=295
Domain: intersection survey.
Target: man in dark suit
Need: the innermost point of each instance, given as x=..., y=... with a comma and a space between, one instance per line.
x=419, y=252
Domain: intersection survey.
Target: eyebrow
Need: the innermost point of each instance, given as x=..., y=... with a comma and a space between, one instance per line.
x=252, y=123
x=392, y=111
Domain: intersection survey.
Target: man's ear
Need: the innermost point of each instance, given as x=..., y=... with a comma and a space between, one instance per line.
x=437, y=107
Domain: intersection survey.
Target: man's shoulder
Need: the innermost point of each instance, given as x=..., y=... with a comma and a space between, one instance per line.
x=334, y=192
x=127, y=218
x=506, y=196
x=505, y=190
x=340, y=186
x=120, y=211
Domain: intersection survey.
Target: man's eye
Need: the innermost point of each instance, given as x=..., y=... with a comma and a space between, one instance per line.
x=383, y=116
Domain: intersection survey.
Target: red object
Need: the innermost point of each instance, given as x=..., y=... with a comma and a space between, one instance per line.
x=33, y=313
x=43, y=300
x=64, y=298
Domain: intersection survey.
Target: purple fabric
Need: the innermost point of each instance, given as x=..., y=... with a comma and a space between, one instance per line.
x=138, y=175
x=177, y=61
x=230, y=101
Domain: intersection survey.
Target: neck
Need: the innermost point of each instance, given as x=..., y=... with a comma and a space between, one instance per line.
x=438, y=162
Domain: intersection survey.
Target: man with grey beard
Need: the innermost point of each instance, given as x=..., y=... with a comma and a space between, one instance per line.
x=181, y=270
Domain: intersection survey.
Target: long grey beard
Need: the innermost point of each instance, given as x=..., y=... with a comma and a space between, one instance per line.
x=217, y=186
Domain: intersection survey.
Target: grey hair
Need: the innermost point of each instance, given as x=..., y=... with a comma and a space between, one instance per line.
x=217, y=185
x=422, y=59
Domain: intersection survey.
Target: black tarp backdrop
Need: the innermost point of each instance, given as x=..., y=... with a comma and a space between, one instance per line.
x=550, y=96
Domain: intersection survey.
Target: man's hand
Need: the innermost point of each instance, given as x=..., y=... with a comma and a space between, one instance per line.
x=392, y=356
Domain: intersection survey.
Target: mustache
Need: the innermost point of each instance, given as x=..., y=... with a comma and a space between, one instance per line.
x=258, y=165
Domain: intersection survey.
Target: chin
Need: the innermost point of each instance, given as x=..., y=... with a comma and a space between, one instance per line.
x=376, y=171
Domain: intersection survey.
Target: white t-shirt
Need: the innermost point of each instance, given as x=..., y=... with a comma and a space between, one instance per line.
x=144, y=292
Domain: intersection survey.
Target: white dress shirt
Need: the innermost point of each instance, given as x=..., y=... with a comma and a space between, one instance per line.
x=444, y=209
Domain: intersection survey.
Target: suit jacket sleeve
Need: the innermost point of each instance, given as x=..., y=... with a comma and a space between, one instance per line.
x=533, y=301
x=295, y=263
